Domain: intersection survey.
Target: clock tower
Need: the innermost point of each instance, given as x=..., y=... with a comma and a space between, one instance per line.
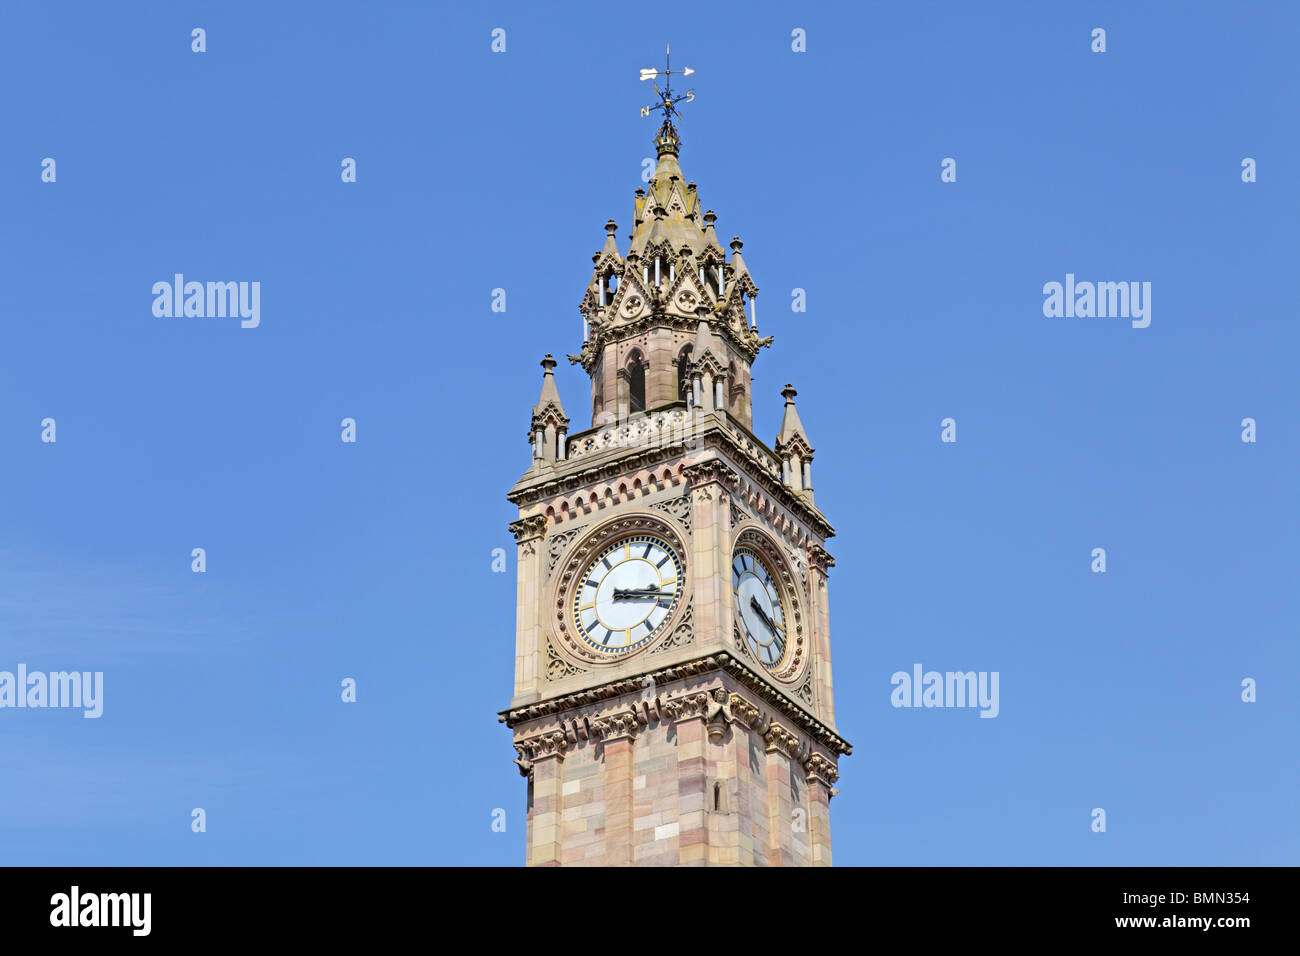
x=672, y=695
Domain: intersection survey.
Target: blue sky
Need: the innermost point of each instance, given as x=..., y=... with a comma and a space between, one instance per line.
x=479, y=170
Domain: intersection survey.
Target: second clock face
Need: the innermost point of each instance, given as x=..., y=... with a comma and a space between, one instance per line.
x=758, y=607
x=627, y=593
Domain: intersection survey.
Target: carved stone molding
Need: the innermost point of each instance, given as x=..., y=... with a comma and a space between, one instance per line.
x=687, y=707
x=614, y=726
x=557, y=668
x=712, y=471
x=550, y=414
x=744, y=711
x=552, y=743
x=737, y=514
x=805, y=690
x=709, y=364
x=729, y=439
x=739, y=640
x=798, y=562
x=556, y=544
x=527, y=528
x=680, y=636
x=670, y=427
x=821, y=770
x=781, y=740
x=820, y=558
x=756, y=685
x=636, y=318
x=679, y=508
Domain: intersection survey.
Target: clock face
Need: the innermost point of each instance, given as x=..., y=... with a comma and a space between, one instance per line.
x=759, y=607
x=628, y=593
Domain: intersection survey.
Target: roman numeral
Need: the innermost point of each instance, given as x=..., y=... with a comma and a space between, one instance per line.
x=592, y=583
x=648, y=549
x=649, y=627
x=608, y=635
x=667, y=558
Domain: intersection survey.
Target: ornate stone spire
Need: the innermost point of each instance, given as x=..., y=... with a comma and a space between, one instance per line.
x=794, y=448
x=550, y=425
x=642, y=308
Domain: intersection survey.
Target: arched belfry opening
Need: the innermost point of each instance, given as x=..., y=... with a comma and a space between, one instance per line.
x=737, y=403
x=635, y=382
x=684, y=372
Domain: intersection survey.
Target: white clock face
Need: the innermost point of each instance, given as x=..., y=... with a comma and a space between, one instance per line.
x=628, y=593
x=758, y=607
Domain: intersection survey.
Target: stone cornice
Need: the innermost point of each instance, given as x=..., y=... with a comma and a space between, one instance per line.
x=721, y=662
x=531, y=489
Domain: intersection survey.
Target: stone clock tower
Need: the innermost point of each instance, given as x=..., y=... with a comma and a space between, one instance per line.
x=672, y=696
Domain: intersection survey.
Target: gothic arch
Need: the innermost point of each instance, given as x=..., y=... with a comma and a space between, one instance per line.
x=684, y=358
x=635, y=369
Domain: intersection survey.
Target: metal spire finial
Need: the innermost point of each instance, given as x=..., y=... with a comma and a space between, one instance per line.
x=667, y=99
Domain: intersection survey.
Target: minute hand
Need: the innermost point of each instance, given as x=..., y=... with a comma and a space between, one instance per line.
x=753, y=602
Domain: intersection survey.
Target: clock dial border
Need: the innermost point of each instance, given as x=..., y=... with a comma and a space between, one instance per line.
x=621, y=557
x=775, y=618
x=568, y=578
x=790, y=588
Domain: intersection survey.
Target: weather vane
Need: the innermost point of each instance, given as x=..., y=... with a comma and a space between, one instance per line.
x=667, y=100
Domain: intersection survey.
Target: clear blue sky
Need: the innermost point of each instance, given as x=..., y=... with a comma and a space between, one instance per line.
x=479, y=170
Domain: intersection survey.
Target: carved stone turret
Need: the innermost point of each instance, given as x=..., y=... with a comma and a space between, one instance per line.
x=640, y=312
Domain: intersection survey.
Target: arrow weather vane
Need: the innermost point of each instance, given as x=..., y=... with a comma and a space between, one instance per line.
x=667, y=100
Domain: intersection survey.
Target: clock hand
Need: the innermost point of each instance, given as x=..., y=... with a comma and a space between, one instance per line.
x=753, y=602
x=637, y=592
